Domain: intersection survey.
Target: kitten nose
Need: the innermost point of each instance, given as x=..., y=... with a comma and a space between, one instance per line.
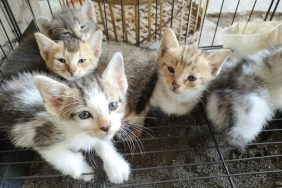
x=175, y=85
x=105, y=128
x=71, y=70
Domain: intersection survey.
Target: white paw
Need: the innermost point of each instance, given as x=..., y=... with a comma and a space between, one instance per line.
x=118, y=171
x=83, y=172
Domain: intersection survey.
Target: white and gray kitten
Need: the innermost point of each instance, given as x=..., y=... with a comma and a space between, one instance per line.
x=245, y=96
x=58, y=119
x=75, y=23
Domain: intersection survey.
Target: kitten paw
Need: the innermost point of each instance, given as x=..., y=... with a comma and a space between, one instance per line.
x=84, y=173
x=236, y=140
x=118, y=171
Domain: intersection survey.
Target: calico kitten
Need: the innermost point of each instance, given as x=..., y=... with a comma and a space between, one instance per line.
x=70, y=58
x=78, y=24
x=75, y=23
x=59, y=119
x=245, y=96
x=184, y=73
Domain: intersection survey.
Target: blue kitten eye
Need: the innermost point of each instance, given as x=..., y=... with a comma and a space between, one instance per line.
x=170, y=69
x=192, y=78
x=113, y=106
x=62, y=60
x=66, y=33
x=82, y=61
x=84, y=115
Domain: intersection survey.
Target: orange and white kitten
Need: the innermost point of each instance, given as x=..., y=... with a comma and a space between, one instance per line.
x=184, y=73
x=70, y=58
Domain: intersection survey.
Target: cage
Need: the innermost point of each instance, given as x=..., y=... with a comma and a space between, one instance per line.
x=174, y=151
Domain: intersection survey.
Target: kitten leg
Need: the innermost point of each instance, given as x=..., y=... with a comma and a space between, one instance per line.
x=68, y=162
x=249, y=119
x=116, y=167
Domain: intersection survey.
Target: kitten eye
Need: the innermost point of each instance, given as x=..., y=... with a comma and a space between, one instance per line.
x=192, y=78
x=82, y=61
x=66, y=33
x=170, y=69
x=83, y=26
x=113, y=106
x=62, y=60
x=84, y=115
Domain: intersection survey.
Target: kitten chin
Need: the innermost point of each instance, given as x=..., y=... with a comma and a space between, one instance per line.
x=59, y=119
x=246, y=96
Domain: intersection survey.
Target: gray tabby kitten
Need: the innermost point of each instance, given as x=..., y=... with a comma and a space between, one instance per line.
x=78, y=24
x=59, y=119
x=245, y=96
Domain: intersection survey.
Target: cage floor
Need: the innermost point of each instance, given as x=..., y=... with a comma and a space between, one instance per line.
x=176, y=152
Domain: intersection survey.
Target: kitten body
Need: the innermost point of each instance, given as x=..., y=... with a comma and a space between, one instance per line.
x=245, y=96
x=58, y=119
x=63, y=26
x=184, y=73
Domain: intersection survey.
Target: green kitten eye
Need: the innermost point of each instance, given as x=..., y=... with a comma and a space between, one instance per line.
x=84, y=115
x=82, y=61
x=170, y=69
x=113, y=106
x=62, y=60
x=192, y=78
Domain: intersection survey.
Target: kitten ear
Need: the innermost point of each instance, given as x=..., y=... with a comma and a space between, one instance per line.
x=44, y=44
x=52, y=92
x=217, y=59
x=88, y=9
x=43, y=24
x=169, y=40
x=96, y=42
x=115, y=73
x=193, y=39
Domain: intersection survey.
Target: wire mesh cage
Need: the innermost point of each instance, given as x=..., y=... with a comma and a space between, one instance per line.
x=173, y=152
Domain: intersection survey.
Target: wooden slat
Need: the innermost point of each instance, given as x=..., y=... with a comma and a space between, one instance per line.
x=136, y=23
x=149, y=19
x=113, y=19
x=124, y=25
x=102, y=16
x=161, y=16
x=197, y=16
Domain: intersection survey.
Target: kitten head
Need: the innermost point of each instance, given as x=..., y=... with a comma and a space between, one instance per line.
x=185, y=69
x=92, y=105
x=71, y=58
x=80, y=24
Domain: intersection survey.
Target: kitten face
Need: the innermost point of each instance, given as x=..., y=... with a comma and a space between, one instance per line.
x=70, y=58
x=184, y=69
x=80, y=24
x=89, y=104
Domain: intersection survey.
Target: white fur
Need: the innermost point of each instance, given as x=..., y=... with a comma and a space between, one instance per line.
x=248, y=125
x=172, y=103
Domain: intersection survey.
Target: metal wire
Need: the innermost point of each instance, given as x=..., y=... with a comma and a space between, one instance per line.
x=221, y=161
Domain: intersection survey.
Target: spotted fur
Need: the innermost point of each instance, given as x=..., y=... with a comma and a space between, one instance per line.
x=245, y=96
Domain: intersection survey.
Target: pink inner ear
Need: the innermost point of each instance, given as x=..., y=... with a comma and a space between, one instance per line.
x=57, y=102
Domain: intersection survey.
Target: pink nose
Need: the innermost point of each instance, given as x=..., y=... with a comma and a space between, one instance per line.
x=71, y=70
x=175, y=85
x=105, y=128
